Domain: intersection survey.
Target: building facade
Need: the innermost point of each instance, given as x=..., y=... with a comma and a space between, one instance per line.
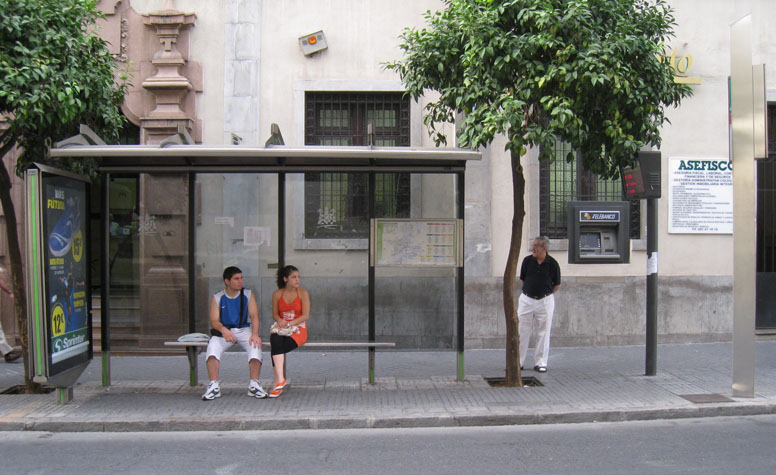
x=227, y=70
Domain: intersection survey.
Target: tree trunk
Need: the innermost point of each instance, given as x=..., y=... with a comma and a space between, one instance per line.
x=513, y=377
x=17, y=274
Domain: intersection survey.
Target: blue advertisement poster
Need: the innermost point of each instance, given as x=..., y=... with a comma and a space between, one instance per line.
x=65, y=225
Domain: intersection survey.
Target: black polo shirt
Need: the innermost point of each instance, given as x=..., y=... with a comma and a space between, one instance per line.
x=539, y=279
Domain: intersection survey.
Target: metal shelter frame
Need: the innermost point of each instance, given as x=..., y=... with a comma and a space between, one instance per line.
x=175, y=155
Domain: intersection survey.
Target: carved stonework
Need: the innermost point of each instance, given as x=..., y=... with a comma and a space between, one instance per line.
x=124, y=34
x=167, y=85
x=114, y=28
x=154, y=50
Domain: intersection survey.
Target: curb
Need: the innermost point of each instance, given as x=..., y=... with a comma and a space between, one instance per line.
x=447, y=420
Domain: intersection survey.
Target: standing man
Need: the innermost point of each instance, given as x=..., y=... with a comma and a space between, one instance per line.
x=230, y=310
x=540, y=276
x=9, y=354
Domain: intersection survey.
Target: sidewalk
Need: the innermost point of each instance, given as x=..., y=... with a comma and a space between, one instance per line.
x=413, y=389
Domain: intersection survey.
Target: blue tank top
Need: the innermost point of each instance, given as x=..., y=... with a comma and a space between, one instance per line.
x=229, y=308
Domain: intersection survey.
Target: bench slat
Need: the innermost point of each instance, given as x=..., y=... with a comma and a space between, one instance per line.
x=312, y=344
x=350, y=344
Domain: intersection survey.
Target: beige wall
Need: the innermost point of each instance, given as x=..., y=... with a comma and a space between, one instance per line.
x=360, y=35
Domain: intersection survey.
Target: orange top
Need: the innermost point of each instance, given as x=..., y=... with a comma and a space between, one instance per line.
x=289, y=311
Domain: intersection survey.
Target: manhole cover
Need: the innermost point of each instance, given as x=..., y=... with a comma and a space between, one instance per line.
x=706, y=398
x=500, y=382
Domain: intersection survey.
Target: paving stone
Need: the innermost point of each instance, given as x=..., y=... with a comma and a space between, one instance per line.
x=413, y=389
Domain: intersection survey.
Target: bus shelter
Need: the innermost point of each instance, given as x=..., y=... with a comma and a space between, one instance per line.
x=198, y=208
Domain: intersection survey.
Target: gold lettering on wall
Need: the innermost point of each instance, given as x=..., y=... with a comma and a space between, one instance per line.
x=681, y=65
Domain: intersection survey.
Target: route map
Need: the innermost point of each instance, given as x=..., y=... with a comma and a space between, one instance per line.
x=416, y=243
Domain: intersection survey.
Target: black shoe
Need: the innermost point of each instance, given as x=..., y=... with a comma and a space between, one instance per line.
x=521, y=368
x=12, y=356
x=540, y=369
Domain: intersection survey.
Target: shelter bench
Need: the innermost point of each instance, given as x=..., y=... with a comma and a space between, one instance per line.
x=193, y=348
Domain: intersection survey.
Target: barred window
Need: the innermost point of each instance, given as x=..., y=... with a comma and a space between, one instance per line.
x=336, y=204
x=562, y=181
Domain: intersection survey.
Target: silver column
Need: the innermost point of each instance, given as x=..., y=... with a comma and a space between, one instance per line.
x=744, y=215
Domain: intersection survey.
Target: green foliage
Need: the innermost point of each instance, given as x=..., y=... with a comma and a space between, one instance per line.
x=55, y=73
x=588, y=72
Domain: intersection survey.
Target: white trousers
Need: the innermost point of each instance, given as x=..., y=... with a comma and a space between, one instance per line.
x=217, y=345
x=4, y=346
x=535, y=316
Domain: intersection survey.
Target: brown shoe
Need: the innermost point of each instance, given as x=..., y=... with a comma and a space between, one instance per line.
x=12, y=356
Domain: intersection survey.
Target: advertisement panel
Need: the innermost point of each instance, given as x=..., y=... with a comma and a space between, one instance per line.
x=65, y=222
x=58, y=275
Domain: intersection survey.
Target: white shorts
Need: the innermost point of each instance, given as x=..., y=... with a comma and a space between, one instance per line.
x=217, y=345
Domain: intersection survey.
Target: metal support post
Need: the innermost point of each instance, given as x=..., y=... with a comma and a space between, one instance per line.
x=105, y=280
x=192, y=229
x=64, y=394
x=372, y=316
x=459, y=276
x=651, y=356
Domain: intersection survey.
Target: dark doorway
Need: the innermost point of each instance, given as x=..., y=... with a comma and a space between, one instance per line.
x=765, y=315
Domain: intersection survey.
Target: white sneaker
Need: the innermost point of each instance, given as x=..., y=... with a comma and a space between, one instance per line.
x=255, y=390
x=213, y=391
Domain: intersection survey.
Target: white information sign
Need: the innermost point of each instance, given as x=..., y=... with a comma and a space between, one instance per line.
x=416, y=242
x=228, y=220
x=700, y=196
x=256, y=236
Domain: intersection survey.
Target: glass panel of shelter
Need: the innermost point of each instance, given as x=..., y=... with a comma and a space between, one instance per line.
x=326, y=239
x=147, y=259
x=236, y=222
x=416, y=306
x=124, y=259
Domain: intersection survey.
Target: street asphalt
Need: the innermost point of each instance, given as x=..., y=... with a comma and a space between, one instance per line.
x=330, y=389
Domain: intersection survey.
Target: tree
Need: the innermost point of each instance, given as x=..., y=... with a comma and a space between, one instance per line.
x=587, y=72
x=55, y=73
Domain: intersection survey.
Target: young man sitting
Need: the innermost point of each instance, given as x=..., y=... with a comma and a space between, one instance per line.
x=234, y=318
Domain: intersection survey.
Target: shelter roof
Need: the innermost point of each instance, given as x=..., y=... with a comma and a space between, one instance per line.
x=237, y=158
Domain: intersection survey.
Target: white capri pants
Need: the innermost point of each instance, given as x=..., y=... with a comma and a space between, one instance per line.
x=217, y=345
x=535, y=316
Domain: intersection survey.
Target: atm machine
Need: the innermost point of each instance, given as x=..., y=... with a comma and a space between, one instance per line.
x=599, y=232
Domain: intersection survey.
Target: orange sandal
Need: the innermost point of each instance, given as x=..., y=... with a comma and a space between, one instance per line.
x=278, y=389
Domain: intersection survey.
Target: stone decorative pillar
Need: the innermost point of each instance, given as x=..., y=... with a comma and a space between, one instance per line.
x=168, y=85
x=163, y=203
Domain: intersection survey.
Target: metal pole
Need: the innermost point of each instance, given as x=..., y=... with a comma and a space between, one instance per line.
x=192, y=352
x=282, y=237
x=459, y=277
x=281, y=220
x=372, y=316
x=651, y=357
x=105, y=278
x=192, y=251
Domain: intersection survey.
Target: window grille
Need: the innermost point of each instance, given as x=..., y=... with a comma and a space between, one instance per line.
x=561, y=181
x=336, y=204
